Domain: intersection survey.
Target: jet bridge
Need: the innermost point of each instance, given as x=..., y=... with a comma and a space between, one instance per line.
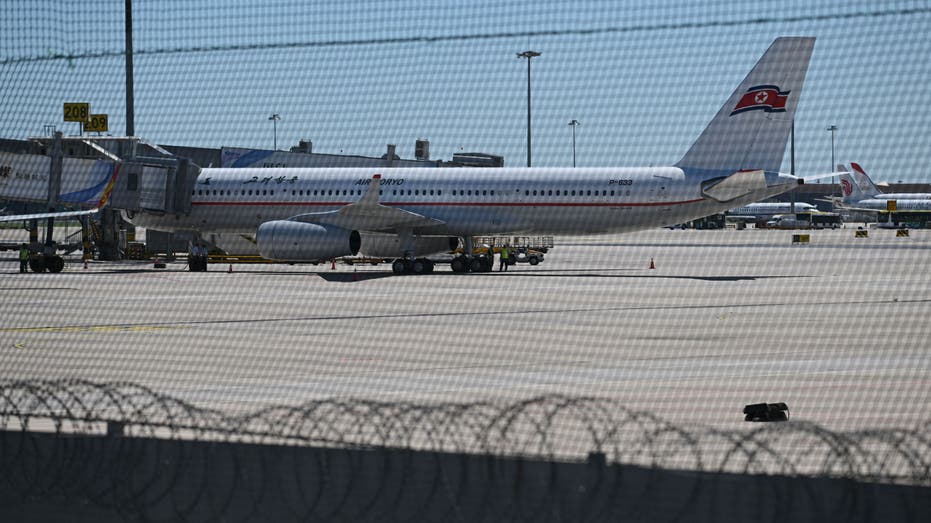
x=157, y=182
x=125, y=173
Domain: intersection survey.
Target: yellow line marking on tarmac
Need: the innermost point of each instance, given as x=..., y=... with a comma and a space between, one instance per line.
x=96, y=328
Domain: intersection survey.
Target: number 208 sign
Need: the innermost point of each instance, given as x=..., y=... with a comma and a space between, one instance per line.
x=77, y=112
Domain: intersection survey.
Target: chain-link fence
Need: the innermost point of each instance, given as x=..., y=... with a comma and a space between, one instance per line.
x=642, y=79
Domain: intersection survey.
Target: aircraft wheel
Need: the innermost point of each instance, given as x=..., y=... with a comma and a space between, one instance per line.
x=37, y=264
x=418, y=267
x=399, y=266
x=55, y=264
x=477, y=265
x=428, y=266
x=459, y=265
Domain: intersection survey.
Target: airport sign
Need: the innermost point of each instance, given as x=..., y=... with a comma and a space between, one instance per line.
x=77, y=112
x=96, y=123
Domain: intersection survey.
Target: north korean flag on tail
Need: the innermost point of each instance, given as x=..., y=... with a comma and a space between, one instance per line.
x=764, y=97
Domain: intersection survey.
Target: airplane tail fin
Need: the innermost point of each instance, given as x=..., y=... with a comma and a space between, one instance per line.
x=850, y=191
x=751, y=129
x=855, y=185
x=863, y=181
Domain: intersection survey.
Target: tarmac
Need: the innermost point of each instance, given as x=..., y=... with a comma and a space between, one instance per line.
x=836, y=328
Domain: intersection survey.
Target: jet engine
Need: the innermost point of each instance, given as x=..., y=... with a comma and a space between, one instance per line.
x=298, y=241
x=389, y=245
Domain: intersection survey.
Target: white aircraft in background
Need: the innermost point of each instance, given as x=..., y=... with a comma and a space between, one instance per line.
x=860, y=194
x=860, y=191
x=763, y=211
x=313, y=214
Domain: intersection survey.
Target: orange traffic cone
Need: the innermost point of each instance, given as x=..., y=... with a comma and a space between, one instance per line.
x=230, y=270
x=85, y=263
x=333, y=264
x=652, y=266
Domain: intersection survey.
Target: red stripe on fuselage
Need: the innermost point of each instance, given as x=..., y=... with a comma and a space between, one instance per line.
x=449, y=204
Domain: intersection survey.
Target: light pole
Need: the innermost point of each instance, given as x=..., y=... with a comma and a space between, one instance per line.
x=833, y=129
x=574, y=124
x=528, y=55
x=274, y=118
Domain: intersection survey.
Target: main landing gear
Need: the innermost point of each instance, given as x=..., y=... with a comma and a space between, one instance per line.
x=40, y=263
x=416, y=266
x=464, y=263
x=473, y=264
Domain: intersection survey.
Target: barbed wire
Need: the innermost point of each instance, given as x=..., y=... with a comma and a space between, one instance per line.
x=163, y=456
x=550, y=427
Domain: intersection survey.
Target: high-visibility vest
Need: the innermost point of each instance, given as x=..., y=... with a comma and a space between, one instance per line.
x=23, y=253
x=504, y=253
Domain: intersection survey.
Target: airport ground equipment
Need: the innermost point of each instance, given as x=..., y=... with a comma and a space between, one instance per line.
x=531, y=256
x=523, y=248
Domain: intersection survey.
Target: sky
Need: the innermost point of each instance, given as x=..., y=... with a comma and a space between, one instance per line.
x=643, y=80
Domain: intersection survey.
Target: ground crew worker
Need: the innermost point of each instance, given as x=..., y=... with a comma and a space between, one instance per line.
x=23, y=258
x=198, y=261
x=192, y=257
x=504, y=259
x=203, y=257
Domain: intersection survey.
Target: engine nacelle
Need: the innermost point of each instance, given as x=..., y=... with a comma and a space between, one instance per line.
x=298, y=241
x=389, y=245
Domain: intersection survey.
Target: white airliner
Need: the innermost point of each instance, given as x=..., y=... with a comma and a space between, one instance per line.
x=763, y=211
x=860, y=193
x=312, y=214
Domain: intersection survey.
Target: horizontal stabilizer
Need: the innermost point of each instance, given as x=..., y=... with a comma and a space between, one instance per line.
x=736, y=185
x=824, y=176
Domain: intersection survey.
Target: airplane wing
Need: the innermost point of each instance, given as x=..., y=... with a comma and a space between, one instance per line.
x=369, y=215
x=855, y=208
x=44, y=215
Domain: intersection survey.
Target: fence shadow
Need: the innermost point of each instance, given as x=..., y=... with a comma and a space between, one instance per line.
x=53, y=477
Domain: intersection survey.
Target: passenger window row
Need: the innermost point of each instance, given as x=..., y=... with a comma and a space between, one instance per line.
x=410, y=192
x=559, y=192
